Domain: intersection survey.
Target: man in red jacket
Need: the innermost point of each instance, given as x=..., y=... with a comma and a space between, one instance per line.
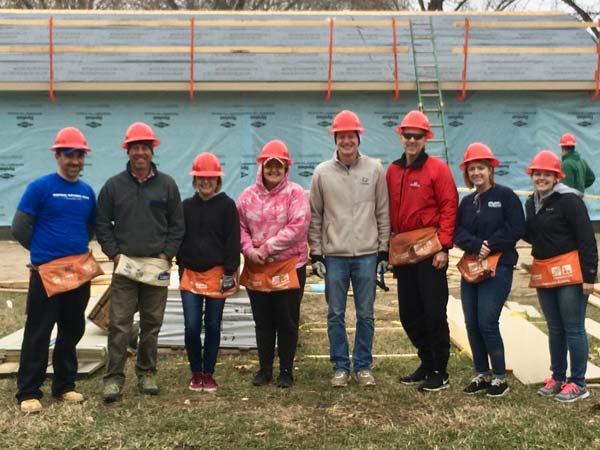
x=423, y=194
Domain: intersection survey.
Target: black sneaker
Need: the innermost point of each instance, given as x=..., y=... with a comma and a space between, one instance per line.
x=478, y=385
x=497, y=388
x=418, y=376
x=435, y=382
x=262, y=377
x=285, y=379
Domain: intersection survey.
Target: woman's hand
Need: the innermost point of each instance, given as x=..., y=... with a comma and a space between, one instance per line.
x=256, y=257
x=485, y=251
x=588, y=288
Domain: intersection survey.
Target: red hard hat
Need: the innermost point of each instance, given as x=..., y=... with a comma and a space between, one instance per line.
x=70, y=137
x=346, y=121
x=206, y=165
x=415, y=119
x=477, y=151
x=139, y=131
x=275, y=149
x=545, y=160
x=567, y=140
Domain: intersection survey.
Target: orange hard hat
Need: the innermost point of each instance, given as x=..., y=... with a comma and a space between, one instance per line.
x=346, y=121
x=275, y=150
x=139, y=131
x=567, y=140
x=477, y=151
x=206, y=165
x=546, y=160
x=415, y=119
x=72, y=138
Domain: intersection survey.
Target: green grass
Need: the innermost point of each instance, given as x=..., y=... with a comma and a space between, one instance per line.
x=311, y=415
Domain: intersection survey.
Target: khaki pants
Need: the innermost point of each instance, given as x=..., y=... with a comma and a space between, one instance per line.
x=127, y=297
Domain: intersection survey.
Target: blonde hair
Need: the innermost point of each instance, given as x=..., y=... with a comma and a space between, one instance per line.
x=487, y=163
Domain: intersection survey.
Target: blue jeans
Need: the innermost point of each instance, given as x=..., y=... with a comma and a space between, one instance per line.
x=361, y=271
x=564, y=308
x=193, y=306
x=482, y=304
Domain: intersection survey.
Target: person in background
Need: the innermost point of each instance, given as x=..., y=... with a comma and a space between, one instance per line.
x=208, y=260
x=578, y=174
x=489, y=221
x=139, y=216
x=54, y=219
x=348, y=238
x=274, y=217
x=563, y=272
x=423, y=195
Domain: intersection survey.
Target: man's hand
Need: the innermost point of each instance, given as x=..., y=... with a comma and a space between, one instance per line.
x=318, y=265
x=588, y=288
x=227, y=283
x=382, y=262
x=440, y=260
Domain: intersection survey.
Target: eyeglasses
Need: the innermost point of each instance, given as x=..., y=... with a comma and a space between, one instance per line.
x=415, y=136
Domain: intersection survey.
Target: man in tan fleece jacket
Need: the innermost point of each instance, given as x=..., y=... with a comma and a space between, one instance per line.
x=348, y=237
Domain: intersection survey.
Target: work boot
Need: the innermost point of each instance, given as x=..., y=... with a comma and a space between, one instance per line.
x=111, y=393
x=72, y=397
x=32, y=405
x=147, y=384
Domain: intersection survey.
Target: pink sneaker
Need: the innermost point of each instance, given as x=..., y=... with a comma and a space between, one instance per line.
x=550, y=388
x=210, y=385
x=571, y=392
x=196, y=382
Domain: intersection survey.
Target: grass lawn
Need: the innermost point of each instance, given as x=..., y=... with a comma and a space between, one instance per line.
x=311, y=415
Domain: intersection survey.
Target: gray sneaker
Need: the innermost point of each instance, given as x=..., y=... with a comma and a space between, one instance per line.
x=550, y=388
x=340, y=378
x=570, y=392
x=364, y=377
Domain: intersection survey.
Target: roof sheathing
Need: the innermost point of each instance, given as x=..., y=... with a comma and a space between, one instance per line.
x=157, y=57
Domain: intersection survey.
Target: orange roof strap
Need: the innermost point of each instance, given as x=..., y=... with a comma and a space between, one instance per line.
x=395, y=50
x=192, y=27
x=51, y=56
x=463, y=93
x=594, y=96
x=328, y=95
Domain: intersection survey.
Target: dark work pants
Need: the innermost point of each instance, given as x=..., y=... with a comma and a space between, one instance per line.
x=422, y=301
x=276, y=315
x=67, y=311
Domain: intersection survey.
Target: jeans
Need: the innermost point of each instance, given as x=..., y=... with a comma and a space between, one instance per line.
x=126, y=297
x=66, y=310
x=482, y=304
x=276, y=315
x=422, y=301
x=564, y=308
x=194, y=305
x=361, y=271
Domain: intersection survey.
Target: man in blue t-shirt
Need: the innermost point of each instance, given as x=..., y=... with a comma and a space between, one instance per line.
x=55, y=218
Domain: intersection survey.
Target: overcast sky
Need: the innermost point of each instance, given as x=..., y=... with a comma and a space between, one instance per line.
x=538, y=5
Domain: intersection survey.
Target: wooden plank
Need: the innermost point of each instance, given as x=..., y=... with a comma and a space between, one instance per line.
x=526, y=50
x=201, y=50
x=594, y=301
x=458, y=330
x=592, y=328
x=295, y=86
x=528, y=310
x=82, y=23
x=526, y=24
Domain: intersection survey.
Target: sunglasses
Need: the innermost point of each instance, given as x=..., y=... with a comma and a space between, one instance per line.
x=415, y=136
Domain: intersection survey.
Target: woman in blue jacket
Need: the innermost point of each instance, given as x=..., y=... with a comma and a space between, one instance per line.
x=489, y=221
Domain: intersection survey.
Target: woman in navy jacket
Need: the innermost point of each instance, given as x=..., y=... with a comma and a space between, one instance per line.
x=489, y=221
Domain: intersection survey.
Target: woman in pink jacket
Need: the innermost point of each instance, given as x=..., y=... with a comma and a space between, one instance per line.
x=274, y=217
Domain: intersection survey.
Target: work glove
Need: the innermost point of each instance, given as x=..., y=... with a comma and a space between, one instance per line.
x=227, y=283
x=318, y=265
x=382, y=261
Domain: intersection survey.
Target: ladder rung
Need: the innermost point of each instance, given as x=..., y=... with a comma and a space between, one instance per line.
x=425, y=66
x=435, y=140
x=432, y=110
x=430, y=95
x=423, y=36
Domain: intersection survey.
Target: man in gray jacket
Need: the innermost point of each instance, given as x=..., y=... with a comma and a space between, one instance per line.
x=348, y=237
x=139, y=215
